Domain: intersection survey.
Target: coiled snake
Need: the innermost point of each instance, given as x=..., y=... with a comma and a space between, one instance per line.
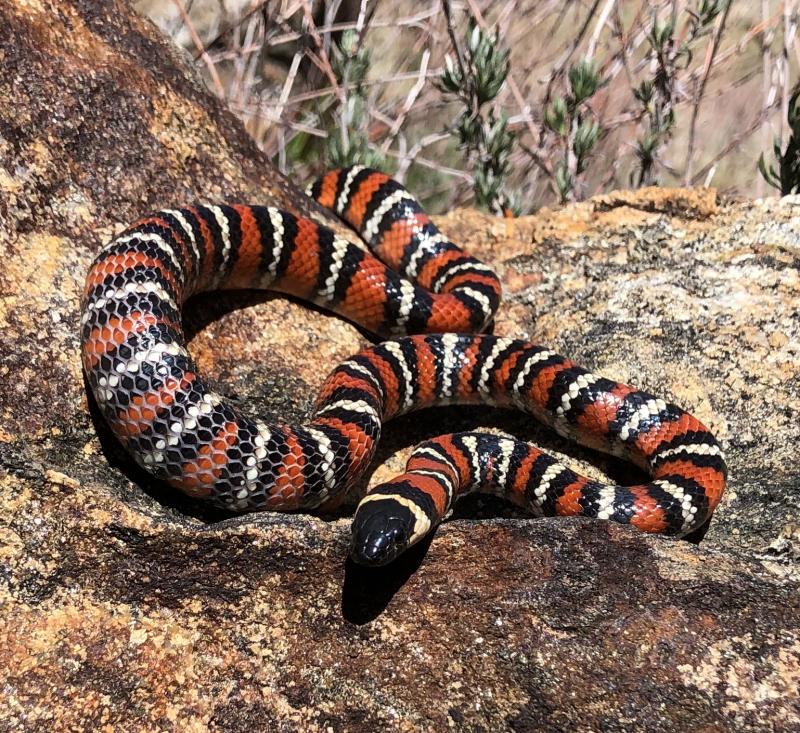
x=181, y=431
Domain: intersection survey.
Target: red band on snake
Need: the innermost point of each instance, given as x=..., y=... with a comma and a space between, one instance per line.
x=415, y=281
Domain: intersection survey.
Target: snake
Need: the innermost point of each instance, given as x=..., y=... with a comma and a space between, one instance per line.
x=432, y=302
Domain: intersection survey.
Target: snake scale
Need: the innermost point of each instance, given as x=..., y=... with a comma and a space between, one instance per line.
x=414, y=281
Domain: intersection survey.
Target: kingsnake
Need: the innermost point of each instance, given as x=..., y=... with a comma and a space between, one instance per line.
x=180, y=430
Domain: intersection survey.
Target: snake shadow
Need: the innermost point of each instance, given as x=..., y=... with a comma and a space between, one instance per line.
x=366, y=592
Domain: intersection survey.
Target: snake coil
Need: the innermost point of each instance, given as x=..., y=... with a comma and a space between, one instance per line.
x=414, y=282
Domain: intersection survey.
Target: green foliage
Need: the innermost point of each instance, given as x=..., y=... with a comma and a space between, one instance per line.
x=644, y=93
x=705, y=14
x=569, y=118
x=349, y=61
x=787, y=177
x=583, y=82
x=657, y=94
x=348, y=140
x=565, y=151
x=660, y=35
x=586, y=136
x=556, y=117
x=475, y=81
x=563, y=181
x=485, y=72
x=656, y=97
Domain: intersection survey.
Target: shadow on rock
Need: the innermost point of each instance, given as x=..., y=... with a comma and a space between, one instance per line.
x=368, y=591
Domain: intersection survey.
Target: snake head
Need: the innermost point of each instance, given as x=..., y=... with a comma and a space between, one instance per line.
x=383, y=528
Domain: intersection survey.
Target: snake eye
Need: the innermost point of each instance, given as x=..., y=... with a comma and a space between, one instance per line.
x=380, y=532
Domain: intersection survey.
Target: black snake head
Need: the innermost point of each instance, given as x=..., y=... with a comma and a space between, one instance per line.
x=383, y=528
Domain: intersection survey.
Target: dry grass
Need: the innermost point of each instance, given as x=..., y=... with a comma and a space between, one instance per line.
x=273, y=62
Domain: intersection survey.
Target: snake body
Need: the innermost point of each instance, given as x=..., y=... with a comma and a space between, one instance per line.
x=413, y=281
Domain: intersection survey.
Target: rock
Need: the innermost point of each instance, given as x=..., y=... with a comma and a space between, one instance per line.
x=126, y=607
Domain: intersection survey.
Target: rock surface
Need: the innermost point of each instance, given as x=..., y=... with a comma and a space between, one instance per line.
x=125, y=607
